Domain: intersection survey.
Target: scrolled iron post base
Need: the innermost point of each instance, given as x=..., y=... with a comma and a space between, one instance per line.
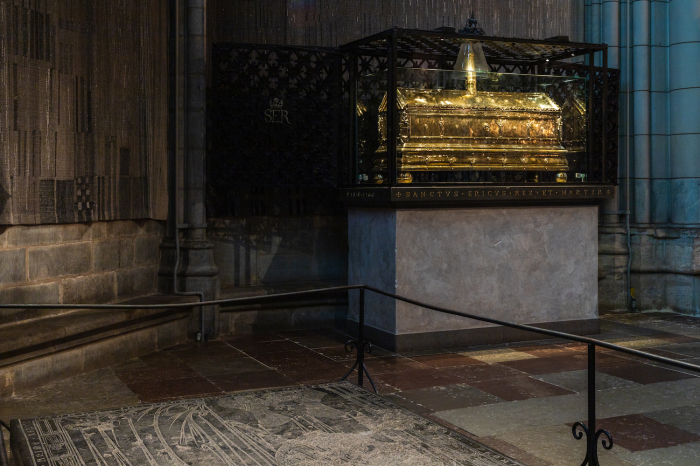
x=366, y=347
x=591, y=458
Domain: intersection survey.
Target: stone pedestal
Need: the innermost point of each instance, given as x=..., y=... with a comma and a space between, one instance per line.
x=534, y=265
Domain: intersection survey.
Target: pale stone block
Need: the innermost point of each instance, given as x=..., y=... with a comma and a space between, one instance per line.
x=22, y=235
x=372, y=261
x=136, y=282
x=122, y=228
x=57, y=261
x=685, y=198
x=90, y=289
x=518, y=264
x=126, y=252
x=684, y=74
x=13, y=266
x=45, y=293
x=76, y=232
x=236, y=258
x=106, y=255
x=680, y=293
x=146, y=249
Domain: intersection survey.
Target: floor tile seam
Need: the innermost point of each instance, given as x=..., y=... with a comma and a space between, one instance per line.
x=521, y=373
x=220, y=385
x=150, y=383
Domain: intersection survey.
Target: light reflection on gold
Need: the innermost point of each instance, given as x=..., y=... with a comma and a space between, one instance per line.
x=453, y=130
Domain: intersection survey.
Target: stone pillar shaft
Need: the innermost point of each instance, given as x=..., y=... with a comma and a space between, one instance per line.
x=196, y=118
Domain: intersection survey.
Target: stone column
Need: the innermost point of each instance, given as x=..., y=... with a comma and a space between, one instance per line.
x=641, y=116
x=197, y=271
x=610, y=34
x=684, y=91
x=201, y=273
x=659, y=129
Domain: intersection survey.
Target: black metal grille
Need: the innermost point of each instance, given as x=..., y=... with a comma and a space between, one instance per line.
x=612, y=117
x=290, y=165
x=411, y=42
x=273, y=130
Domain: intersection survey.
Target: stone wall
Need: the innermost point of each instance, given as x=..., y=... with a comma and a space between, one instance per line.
x=96, y=262
x=264, y=250
x=665, y=268
x=664, y=149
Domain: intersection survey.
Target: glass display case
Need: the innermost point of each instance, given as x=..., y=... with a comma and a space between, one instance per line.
x=439, y=108
x=475, y=127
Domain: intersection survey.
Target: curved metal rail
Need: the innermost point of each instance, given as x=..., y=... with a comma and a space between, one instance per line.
x=362, y=346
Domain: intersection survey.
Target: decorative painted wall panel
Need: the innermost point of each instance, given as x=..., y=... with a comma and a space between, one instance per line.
x=83, y=110
x=330, y=23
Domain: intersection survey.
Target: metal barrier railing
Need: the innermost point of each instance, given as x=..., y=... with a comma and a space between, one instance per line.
x=363, y=346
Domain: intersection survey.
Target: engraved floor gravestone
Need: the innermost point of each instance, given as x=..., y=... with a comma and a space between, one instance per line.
x=321, y=425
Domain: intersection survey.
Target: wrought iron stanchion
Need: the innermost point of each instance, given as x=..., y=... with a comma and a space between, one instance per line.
x=592, y=435
x=362, y=347
x=3, y=454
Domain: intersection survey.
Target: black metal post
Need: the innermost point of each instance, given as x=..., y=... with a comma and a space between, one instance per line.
x=353, y=153
x=362, y=347
x=591, y=451
x=592, y=435
x=591, y=114
x=361, y=340
x=392, y=123
x=3, y=454
x=604, y=132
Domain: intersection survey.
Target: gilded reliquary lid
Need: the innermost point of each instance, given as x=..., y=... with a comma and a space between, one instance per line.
x=459, y=99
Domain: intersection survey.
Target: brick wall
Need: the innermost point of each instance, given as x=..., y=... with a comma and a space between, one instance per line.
x=95, y=262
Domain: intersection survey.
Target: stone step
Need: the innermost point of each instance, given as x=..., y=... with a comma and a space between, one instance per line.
x=39, y=351
x=309, y=312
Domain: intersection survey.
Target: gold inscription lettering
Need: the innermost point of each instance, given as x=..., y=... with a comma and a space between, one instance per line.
x=422, y=194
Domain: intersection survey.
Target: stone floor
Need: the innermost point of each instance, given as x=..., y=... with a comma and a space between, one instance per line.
x=520, y=399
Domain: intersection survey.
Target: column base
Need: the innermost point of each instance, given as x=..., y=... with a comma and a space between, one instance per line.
x=197, y=272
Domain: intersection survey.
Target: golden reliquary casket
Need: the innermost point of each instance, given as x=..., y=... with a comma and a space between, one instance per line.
x=452, y=130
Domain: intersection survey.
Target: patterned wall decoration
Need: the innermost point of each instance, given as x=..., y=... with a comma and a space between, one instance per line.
x=83, y=110
x=330, y=23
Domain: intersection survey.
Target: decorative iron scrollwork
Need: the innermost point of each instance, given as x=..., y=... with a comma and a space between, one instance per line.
x=363, y=347
x=591, y=458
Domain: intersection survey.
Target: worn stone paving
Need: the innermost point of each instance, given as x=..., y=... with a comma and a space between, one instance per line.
x=318, y=425
x=520, y=399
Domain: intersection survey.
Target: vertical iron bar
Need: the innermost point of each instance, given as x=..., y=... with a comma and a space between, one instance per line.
x=604, y=116
x=591, y=111
x=592, y=438
x=391, y=116
x=361, y=340
x=3, y=453
x=353, y=155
